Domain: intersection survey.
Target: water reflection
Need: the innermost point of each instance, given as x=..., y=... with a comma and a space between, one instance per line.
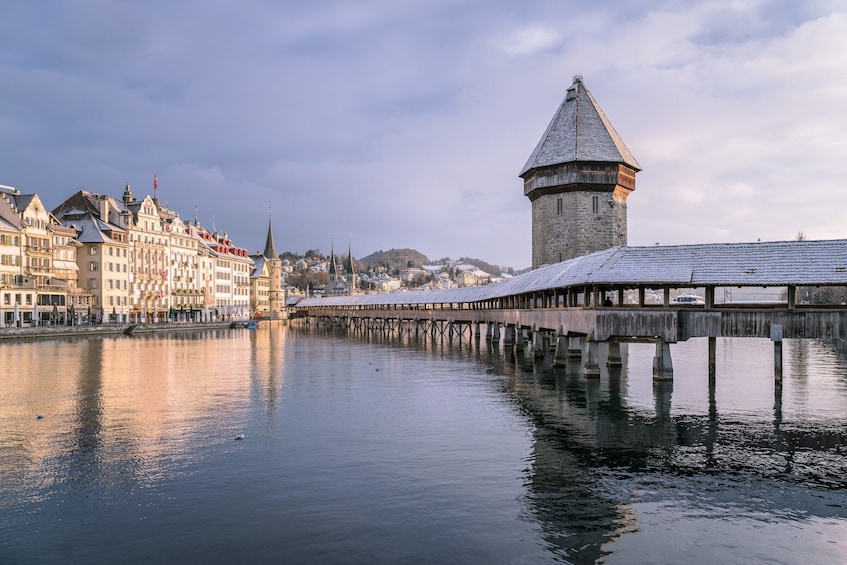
x=720, y=443
x=616, y=469
x=127, y=413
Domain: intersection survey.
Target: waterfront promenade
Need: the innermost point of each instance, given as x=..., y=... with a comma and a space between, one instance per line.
x=50, y=332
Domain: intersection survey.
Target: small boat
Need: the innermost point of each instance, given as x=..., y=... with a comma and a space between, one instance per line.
x=251, y=325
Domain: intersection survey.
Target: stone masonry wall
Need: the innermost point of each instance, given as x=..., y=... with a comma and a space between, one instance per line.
x=578, y=230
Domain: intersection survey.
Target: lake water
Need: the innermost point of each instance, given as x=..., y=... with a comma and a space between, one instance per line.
x=378, y=450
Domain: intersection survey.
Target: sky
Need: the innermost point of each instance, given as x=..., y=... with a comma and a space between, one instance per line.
x=392, y=123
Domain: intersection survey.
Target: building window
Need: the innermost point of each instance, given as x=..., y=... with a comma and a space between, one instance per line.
x=595, y=204
x=92, y=266
x=92, y=250
x=559, y=205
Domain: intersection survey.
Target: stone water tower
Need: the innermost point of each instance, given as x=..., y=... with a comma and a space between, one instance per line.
x=578, y=179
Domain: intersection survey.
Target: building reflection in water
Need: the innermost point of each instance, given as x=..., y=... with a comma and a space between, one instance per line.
x=130, y=412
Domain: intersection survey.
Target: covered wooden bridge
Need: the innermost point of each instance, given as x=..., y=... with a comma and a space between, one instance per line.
x=774, y=290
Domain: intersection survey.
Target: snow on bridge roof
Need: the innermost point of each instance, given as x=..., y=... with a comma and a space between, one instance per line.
x=780, y=263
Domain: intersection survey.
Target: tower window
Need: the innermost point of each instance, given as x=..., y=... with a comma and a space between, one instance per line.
x=559, y=206
x=595, y=204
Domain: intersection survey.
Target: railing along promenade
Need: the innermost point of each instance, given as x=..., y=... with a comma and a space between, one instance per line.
x=603, y=297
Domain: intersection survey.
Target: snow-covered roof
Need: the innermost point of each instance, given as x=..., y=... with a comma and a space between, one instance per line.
x=780, y=263
x=579, y=131
x=91, y=230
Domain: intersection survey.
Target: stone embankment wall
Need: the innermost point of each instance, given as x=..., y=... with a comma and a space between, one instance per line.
x=50, y=332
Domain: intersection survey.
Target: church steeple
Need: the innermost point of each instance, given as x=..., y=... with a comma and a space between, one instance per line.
x=275, y=301
x=270, y=249
x=333, y=268
x=348, y=267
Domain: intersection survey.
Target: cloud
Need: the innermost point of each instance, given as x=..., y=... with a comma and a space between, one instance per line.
x=529, y=41
x=405, y=124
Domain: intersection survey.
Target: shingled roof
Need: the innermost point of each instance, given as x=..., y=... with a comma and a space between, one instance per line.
x=579, y=131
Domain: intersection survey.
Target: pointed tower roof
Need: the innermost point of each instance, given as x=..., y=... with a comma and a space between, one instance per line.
x=332, y=267
x=270, y=249
x=579, y=131
x=348, y=263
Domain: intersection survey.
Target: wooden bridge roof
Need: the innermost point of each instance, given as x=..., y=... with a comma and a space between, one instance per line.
x=780, y=263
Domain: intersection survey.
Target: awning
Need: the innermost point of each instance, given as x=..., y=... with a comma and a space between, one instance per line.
x=65, y=265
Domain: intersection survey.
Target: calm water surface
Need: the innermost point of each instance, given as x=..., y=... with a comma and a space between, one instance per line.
x=373, y=450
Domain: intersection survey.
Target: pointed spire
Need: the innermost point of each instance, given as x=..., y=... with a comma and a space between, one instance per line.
x=270, y=249
x=579, y=131
x=348, y=264
x=333, y=269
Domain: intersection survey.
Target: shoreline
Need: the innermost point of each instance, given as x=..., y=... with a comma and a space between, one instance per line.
x=49, y=332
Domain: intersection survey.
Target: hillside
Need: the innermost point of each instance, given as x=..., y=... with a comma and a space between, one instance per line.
x=396, y=258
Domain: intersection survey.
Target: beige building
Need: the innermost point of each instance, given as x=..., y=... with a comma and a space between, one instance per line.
x=266, y=296
x=187, y=297
x=104, y=257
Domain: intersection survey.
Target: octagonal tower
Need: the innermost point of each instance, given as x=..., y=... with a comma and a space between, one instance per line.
x=578, y=179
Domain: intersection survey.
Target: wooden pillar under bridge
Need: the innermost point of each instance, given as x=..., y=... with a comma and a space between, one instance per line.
x=574, y=347
x=613, y=358
x=520, y=342
x=590, y=357
x=495, y=333
x=560, y=359
x=712, y=355
x=776, y=338
x=538, y=343
x=662, y=363
x=476, y=330
x=488, y=334
x=508, y=336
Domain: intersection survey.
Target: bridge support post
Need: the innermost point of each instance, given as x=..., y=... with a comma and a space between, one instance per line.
x=590, y=357
x=488, y=331
x=613, y=359
x=560, y=359
x=712, y=355
x=776, y=338
x=662, y=363
x=509, y=336
x=538, y=344
x=574, y=347
x=476, y=330
x=520, y=340
x=495, y=333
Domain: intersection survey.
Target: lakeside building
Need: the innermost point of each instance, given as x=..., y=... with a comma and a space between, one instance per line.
x=266, y=293
x=38, y=263
x=139, y=261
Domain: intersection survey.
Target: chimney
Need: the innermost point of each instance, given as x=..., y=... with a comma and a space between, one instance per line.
x=104, y=208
